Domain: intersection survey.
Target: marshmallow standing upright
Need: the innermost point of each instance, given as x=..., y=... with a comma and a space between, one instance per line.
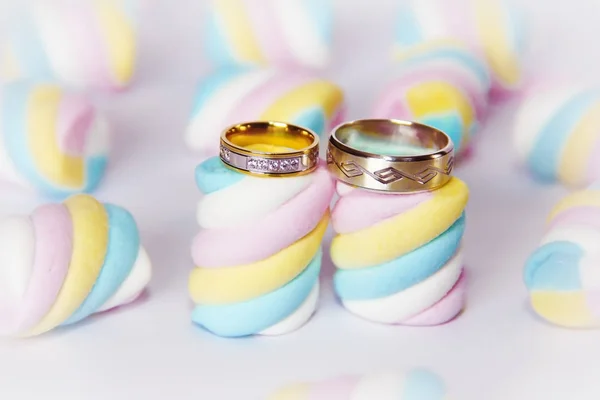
x=65, y=262
x=86, y=44
x=398, y=256
x=258, y=255
x=51, y=139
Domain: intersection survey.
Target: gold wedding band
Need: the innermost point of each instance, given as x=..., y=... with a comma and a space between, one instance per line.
x=428, y=168
x=273, y=149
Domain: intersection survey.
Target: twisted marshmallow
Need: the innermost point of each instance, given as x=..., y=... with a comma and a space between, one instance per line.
x=80, y=43
x=269, y=32
x=258, y=258
x=66, y=262
x=235, y=95
x=52, y=140
x=562, y=274
x=398, y=256
x=557, y=134
x=446, y=88
x=415, y=384
x=491, y=27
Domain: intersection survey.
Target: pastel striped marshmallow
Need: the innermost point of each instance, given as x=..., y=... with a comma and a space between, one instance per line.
x=562, y=275
x=446, y=88
x=235, y=95
x=413, y=384
x=65, y=262
x=398, y=256
x=494, y=29
x=51, y=140
x=557, y=134
x=258, y=260
x=269, y=32
x=79, y=43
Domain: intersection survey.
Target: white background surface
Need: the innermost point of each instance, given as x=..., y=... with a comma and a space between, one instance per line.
x=496, y=350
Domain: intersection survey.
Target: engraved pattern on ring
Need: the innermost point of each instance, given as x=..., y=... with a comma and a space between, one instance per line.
x=389, y=175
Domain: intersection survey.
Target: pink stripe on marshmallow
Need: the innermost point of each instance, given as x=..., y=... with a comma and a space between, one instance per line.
x=89, y=47
x=53, y=247
x=258, y=101
x=361, y=209
x=299, y=216
x=334, y=389
x=268, y=32
x=582, y=215
x=444, y=310
x=75, y=118
x=593, y=301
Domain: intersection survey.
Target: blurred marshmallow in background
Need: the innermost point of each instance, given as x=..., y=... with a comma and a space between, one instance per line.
x=412, y=384
x=266, y=54
x=557, y=133
x=561, y=275
x=269, y=32
x=492, y=28
x=446, y=88
x=86, y=44
x=51, y=139
x=234, y=95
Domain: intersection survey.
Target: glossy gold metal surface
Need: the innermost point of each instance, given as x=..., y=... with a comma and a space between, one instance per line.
x=422, y=171
x=270, y=149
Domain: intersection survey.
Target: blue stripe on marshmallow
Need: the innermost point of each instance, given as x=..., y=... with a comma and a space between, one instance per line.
x=545, y=156
x=554, y=267
x=256, y=315
x=121, y=254
x=421, y=384
x=408, y=270
x=212, y=175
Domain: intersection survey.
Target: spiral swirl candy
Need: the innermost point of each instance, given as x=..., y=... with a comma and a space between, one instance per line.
x=80, y=43
x=270, y=32
x=258, y=259
x=52, y=140
x=415, y=384
x=398, y=255
x=65, y=262
x=236, y=95
x=562, y=274
x=491, y=27
x=446, y=88
x=557, y=134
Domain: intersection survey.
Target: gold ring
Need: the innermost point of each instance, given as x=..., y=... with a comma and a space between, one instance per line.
x=274, y=149
x=425, y=164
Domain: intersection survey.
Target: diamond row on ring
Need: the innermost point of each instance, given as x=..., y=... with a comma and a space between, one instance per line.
x=264, y=165
x=279, y=165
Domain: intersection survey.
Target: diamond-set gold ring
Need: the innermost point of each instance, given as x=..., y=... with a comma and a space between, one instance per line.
x=270, y=149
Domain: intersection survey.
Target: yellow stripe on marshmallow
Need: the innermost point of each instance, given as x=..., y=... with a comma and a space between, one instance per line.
x=403, y=233
x=60, y=168
x=238, y=30
x=120, y=39
x=90, y=242
x=244, y=282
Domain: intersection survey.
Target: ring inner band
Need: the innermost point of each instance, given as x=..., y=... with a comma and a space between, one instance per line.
x=280, y=135
x=391, y=138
